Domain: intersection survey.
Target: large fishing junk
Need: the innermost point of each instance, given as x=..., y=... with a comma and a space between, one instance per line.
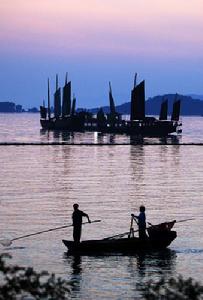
x=66, y=117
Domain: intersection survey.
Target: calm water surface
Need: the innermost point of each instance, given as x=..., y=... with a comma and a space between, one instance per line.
x=25, y=128
x=39, y=185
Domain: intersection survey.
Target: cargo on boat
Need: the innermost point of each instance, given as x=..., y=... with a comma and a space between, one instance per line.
x=159, y=237
x=66, y=117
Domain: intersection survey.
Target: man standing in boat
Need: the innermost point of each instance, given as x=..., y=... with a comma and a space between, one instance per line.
x=77, y=222
x=141, y=221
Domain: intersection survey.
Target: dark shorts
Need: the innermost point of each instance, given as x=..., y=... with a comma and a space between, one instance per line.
x=77, y=233
x=142, y=233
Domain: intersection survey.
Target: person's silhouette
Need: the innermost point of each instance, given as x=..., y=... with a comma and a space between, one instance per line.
x=77, y=222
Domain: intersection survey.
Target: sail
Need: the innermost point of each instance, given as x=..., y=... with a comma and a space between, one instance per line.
x=164, y=110
x=111, y=102
x=57, y=100
x=66, y=105
x=176, y=111
x=138, y=102
x=73, y=106
x=57, y=103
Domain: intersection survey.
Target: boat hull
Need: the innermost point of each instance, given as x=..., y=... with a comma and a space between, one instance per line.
x=122, y=245
x=69, y=124
x=143, y=128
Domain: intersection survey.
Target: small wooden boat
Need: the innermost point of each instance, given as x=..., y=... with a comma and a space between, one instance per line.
x=159, y=237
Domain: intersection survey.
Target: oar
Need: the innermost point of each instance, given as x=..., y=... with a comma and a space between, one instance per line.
x=119, y=235
x=131, y=227
x=7, y=242
x=127, y=233
x=185, y=220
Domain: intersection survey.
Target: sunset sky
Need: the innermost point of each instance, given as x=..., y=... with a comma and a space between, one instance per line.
x=97, y=41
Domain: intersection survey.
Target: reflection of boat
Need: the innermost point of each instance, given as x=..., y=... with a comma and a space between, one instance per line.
x=67, y=118
x=159, y=237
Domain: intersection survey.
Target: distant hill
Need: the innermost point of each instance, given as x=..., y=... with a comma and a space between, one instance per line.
x=194, y=96
x=189, y=106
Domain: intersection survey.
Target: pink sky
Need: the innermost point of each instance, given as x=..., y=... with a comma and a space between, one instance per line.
x=128, y=27
x=147, y=35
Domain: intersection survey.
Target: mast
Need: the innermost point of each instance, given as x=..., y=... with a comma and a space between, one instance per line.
x=66, y=79
x=56, y=82
x=135, y=80
x=49, y=112
x=57, y=100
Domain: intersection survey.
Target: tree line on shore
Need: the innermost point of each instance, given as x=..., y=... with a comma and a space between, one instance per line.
x=189, y=106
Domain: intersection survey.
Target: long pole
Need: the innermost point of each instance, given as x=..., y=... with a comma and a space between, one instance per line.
x=8, y=242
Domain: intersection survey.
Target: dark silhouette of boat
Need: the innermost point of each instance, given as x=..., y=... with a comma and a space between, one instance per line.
x=65, y=116
x=159, y=237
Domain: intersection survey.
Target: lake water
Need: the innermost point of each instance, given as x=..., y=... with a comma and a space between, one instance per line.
x=40, y=183
x=25, y=128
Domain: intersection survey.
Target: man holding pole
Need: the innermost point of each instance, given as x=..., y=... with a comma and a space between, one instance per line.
x=141, y=221
x=77, y=222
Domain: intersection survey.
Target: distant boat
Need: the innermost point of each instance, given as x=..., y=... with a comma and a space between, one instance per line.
x=67, y=118
x=160, y=237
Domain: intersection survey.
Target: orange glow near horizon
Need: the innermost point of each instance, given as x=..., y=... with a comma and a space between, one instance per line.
x=94, y=26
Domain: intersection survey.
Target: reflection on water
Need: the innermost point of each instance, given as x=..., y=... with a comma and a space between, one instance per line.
x=26, y=128
x=172, y=139
x=75, y=267
x=155, y=266
x=57, y=135
x=160, y=263
x=98, y=138
x=136, y=140
x=39, y=185
x=138, y=268
x=190, y=251
x=62, y=136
